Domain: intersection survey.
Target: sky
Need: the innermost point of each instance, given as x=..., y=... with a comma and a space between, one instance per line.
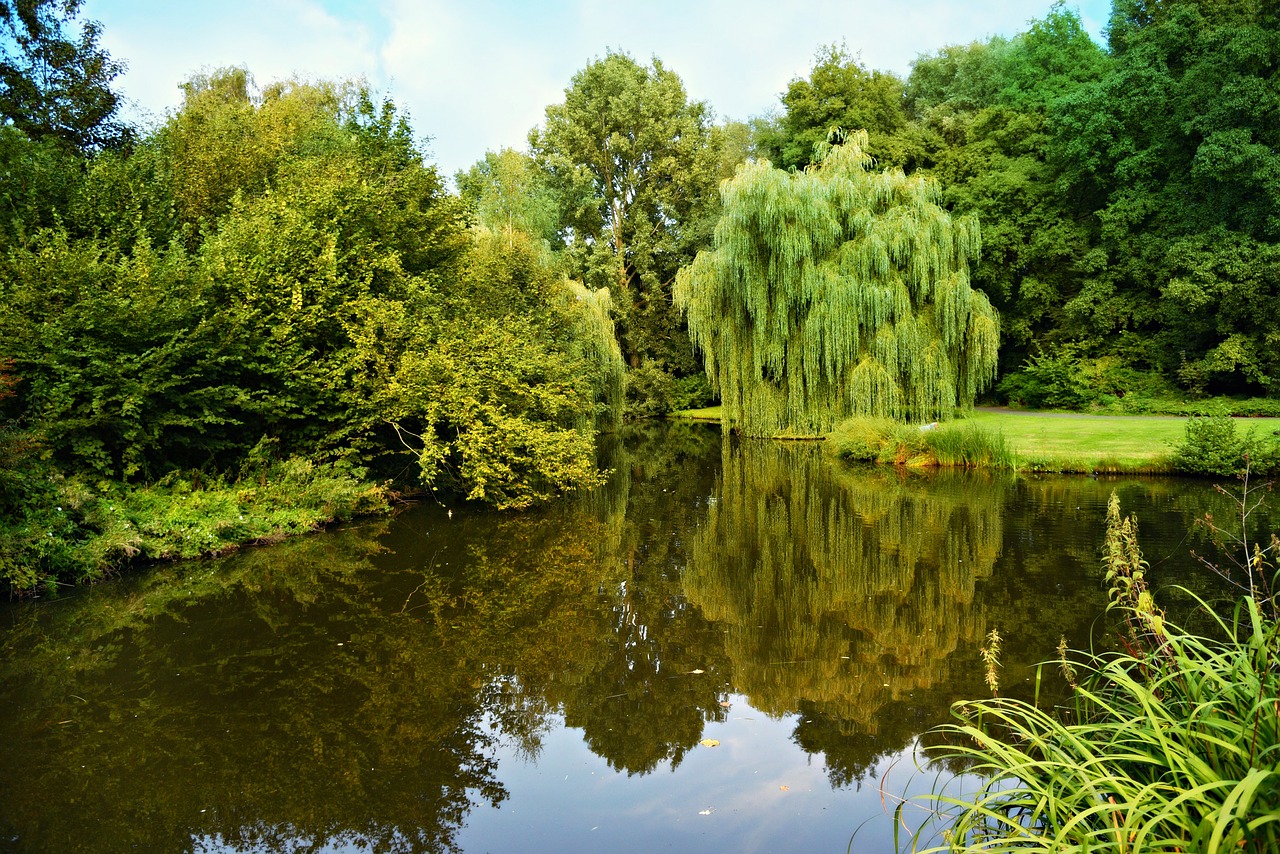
x=476, y=75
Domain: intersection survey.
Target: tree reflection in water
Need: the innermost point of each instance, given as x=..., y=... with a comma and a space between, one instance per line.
x=357, y=688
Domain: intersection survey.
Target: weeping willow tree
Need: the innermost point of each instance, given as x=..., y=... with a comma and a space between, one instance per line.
x=835, y=292
x=600, y=345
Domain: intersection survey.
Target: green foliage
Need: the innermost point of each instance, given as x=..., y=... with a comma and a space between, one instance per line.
x=509, y=193
x=40, y=179
x=277, y=263
x=79, y=533
x=1169, y=746
x=1049, y=380
x=1212, y=446
x=499, y=396
x=991, y=106
x=500, y=415
x=838, y=292
x=633, y=164
x=840, y=92
x=1164, y=401
x=1176, y=151
x=653, y=391
x=951, y=445
x=53, y=85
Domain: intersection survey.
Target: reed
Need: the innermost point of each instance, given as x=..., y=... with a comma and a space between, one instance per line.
x=955, y=444
x=1172, y=744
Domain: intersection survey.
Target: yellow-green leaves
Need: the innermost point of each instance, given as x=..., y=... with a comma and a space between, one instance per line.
x=838, y=292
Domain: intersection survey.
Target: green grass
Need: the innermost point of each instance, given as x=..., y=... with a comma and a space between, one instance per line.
x=1172, y=745
x=707, y=413
x=1095, y=443
x=1041, y=441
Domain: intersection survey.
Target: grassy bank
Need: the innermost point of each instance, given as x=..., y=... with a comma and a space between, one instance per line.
x=81, y=532
x=1087, y=443
x=1034, y=441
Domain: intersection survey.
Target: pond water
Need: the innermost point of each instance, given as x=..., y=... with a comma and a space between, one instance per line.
x=733, y=646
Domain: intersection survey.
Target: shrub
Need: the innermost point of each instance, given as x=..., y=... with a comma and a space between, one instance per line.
x=1212, y=446
x=80, y=533
x=955, y=444
x=653, y=390
x=1048, y=380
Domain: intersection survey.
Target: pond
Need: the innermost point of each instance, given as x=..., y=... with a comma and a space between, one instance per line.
x=734, y=645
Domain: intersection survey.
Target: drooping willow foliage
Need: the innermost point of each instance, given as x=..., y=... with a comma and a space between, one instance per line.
x=838, y=291
x=601, y=343
x=839, y=589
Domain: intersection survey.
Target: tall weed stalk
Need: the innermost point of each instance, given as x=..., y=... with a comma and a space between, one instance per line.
x=1171, y=745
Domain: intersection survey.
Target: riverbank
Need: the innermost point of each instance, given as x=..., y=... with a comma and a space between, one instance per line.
x=84, y=531
x=1048, y=441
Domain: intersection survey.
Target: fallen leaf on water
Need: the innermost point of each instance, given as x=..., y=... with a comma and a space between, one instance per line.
x=725, y=703
x=784, y=788
x=710, y=742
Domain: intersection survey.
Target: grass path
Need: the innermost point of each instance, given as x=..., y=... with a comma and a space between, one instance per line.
x=1073, y=442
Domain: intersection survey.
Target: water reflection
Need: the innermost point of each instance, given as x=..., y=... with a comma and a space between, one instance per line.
x=371, y=688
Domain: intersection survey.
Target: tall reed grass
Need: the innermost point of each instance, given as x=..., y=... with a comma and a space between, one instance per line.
x=1172, y=745
x=958, y=444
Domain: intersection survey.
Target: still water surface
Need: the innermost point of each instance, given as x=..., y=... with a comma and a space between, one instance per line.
x=552, y=681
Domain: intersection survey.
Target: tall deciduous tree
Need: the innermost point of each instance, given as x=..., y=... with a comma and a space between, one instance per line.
x=1180, y=145
x=838, y=291
x=632, y=160
x=840, y=92
x=54, y=84
x=509, y=193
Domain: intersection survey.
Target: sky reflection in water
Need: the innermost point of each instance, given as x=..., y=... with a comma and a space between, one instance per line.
x=485, y=682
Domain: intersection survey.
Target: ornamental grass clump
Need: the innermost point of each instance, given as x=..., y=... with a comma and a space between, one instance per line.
x=1172, y=744
x=951, y=445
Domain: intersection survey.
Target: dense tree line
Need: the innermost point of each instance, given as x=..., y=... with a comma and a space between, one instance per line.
x=1127, y=193
x=277, y=271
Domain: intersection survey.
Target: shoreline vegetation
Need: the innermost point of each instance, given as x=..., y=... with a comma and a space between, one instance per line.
x=1168, y=745
x=98, y=531
x=1060, y=442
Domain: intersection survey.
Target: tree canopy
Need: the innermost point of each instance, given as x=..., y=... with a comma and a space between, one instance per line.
x=839, y=92
x=54, y=83
x=633, y=163
x=838, y=291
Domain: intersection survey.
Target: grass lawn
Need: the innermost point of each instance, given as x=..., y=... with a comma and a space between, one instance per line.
x=1068, y=442
x=1050, y=441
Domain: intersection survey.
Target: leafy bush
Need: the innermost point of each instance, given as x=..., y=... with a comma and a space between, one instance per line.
x=1048, y=380
x=1241, y=407
x=80, y=533
x=954, y=444
x=653, y=390
x=1212, y=446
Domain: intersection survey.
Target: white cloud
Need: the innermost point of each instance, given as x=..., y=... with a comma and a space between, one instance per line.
x=478, y=75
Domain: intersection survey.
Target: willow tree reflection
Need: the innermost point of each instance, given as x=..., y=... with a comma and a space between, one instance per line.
x=838, y=588
x=842, y=592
